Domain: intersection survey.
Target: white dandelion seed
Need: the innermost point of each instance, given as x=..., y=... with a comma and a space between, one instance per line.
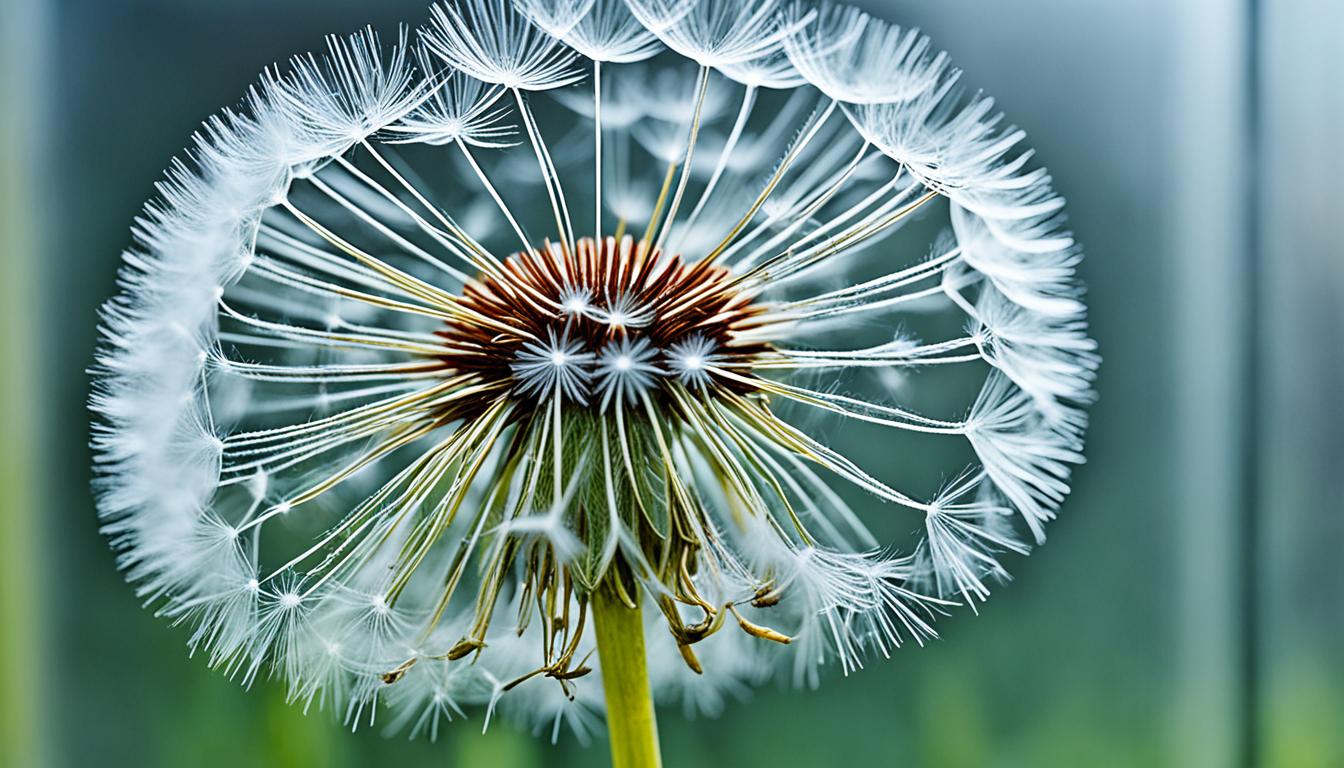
x=1040, y=282
x=626, y=370
x=853, y=57
x=1048, y=357
x=459, y=109
x=559, y=367
x=374, y=416
x=964, y=542
x=1025, y=454
x=716, y=34
x=556, y=17
x=492, y=41
x=609, y=33
x=348, y=94
x=847, y=602
x=691, y=360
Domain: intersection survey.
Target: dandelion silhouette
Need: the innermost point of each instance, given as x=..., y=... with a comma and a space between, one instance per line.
x=378, y=414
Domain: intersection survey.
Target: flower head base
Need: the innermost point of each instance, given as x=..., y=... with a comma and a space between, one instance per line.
x=604, y=319
x=430, y=340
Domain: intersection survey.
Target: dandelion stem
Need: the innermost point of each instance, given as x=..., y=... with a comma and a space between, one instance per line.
x=625, y=680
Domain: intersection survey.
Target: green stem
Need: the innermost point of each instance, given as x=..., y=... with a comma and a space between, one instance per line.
x=625, y=680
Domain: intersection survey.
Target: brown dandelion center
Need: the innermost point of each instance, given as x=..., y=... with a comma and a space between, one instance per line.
x=609, y=320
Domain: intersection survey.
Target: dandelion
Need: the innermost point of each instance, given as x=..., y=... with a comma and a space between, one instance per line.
x=377, y=414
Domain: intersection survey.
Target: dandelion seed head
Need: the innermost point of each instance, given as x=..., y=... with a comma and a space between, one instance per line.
x=432, y=332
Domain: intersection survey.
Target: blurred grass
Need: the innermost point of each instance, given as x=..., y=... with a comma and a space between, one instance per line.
x=22, y=680
x=1304, y=714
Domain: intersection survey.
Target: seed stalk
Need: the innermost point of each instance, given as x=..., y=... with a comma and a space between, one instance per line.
x=625, y=679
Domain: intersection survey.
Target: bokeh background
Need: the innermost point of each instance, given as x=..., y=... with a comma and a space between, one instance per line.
x=1189, y=608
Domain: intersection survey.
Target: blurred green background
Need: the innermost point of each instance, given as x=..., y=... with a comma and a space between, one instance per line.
x=1189, y=608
